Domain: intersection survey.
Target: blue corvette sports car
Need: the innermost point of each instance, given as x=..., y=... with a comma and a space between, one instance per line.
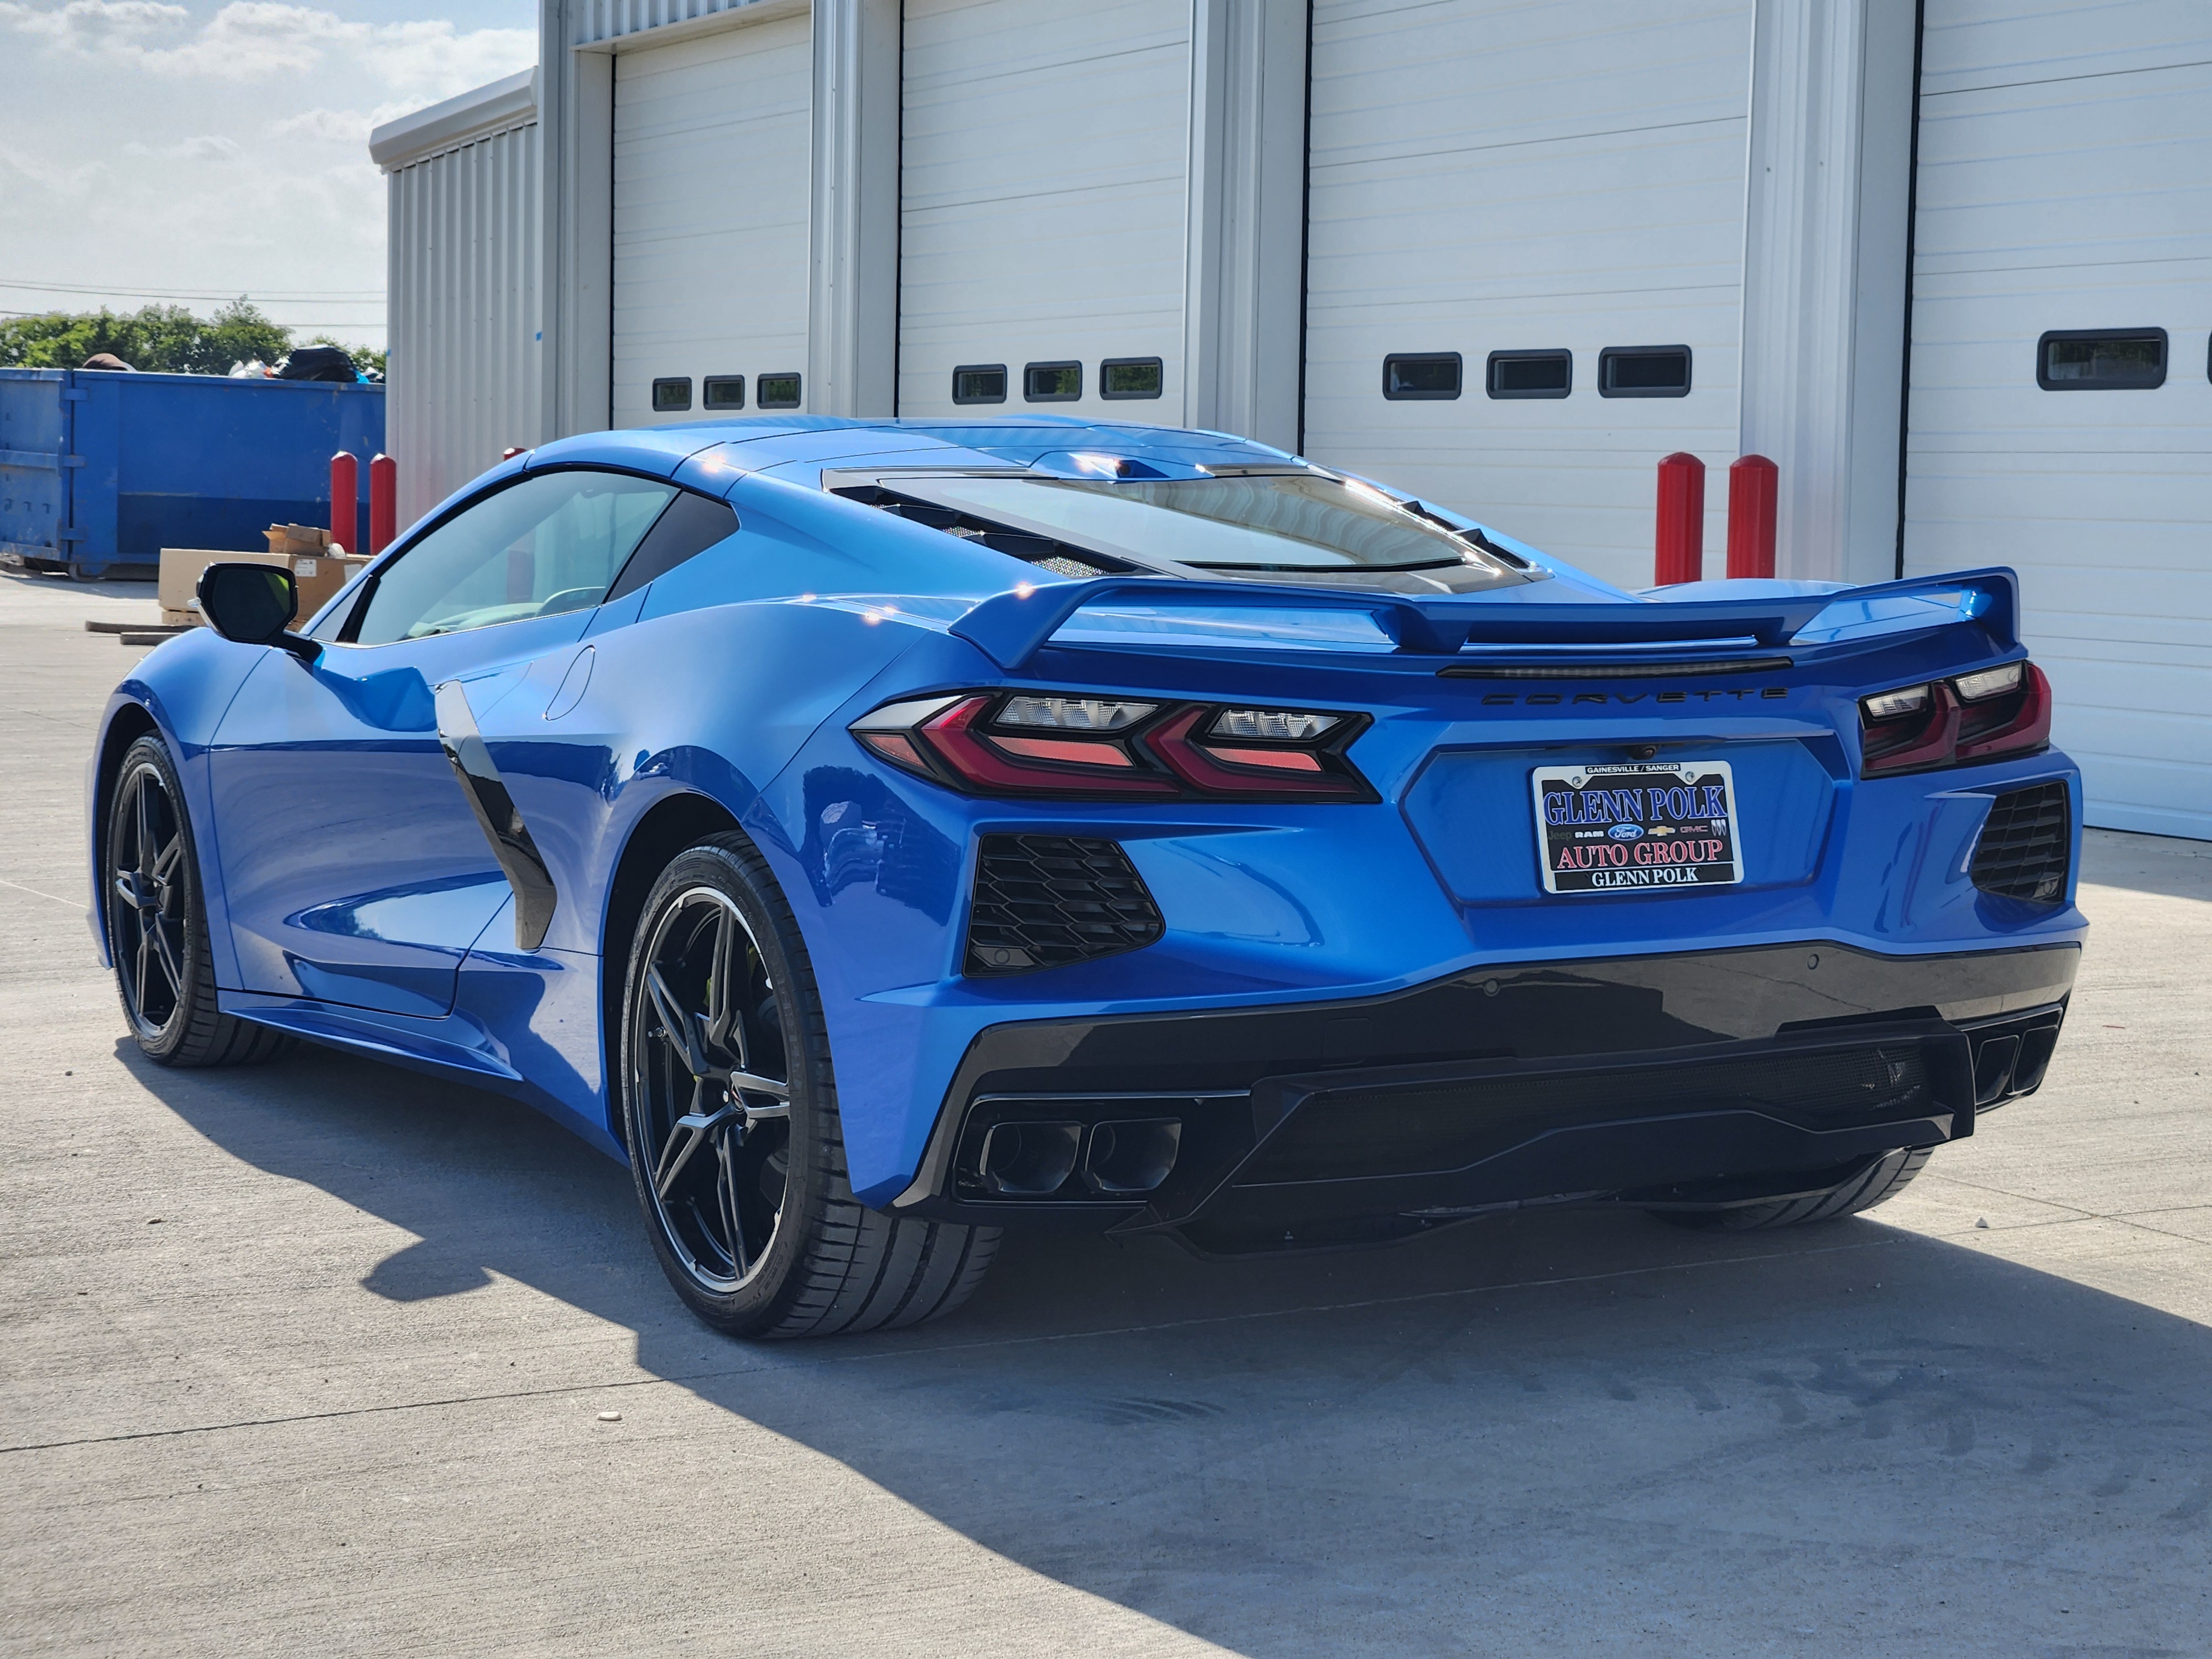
x=882, y=833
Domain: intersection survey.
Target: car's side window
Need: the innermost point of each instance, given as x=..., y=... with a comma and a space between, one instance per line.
x=692, y=525
x=550, y=543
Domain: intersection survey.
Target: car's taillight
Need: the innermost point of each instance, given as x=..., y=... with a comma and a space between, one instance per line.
x=1244, y=769
x=1018, y=762
x=1037, y=744
x=1984, y=715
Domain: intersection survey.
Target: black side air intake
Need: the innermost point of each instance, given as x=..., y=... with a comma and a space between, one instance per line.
x=1047, y=901
x=2023, y=851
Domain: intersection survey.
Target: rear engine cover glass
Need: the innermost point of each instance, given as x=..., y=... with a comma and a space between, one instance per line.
x=1294, y=521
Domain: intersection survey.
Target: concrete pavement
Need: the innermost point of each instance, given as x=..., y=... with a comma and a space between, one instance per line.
x=314, y=1358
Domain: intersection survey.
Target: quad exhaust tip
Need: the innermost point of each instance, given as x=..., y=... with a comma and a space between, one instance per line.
x=1121, y=1158
x=1030, y=1160
x=1133, y=1156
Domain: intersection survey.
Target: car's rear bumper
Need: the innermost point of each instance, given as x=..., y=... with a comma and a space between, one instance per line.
x=1701, y=1077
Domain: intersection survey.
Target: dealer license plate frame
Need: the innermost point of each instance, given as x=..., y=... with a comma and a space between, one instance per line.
x=1654, y=825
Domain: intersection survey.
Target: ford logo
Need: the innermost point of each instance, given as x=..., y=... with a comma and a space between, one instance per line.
x=1625, y=831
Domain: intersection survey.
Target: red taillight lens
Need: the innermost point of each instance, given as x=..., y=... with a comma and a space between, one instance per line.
x=1904, y=742
x=1097, y=766
x=1240, y=770
x=895, y=747
x=1925, y=728
x=2009, y=724
x=1022, y=743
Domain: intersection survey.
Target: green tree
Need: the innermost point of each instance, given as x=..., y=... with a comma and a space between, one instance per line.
x=159, y=340
x=237, y=334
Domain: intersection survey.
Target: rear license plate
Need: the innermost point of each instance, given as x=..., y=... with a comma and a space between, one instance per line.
x=1638, y=827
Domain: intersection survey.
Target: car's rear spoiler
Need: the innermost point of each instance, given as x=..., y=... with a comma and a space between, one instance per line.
x=1011, y=628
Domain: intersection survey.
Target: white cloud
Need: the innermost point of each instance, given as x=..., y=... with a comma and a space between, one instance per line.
x=208, y=147
x=97, y=27
x=434, y=57
x=39, y=175
x=329, y=126
x=254, y=40
x=259, y=40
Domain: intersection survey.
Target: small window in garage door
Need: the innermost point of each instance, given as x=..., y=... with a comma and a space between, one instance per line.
x=980, y=383
x=1418, y=375
x=1643, y=371
x=1531, y=374
x=2100, y=360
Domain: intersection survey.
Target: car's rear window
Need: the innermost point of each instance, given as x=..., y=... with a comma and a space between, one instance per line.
x=1273, y=521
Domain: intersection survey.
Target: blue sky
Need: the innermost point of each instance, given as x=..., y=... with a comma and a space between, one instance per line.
x=153, y=148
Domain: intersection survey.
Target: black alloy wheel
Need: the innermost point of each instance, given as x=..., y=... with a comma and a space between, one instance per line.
x=730, y=1118
x=157, y=924
x=710, y=1088
x=146, y=899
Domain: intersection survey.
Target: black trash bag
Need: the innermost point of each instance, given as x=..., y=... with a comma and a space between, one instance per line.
x=317, y=363
x=110, y=362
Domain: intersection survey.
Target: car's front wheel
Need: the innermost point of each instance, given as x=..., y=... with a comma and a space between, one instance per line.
x=157, y=923
x=730, y=1119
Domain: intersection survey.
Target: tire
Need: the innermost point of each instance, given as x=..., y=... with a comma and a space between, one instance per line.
x=1888, y=1178
x=157, y=925
x=730, y=1118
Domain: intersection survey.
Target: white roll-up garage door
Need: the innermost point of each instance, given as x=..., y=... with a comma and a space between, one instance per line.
x=1044, y=151
x=2066, y=185
x=1488, y=175
x=711, y=187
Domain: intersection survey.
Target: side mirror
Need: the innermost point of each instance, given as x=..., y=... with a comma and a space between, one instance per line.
x=254, y=604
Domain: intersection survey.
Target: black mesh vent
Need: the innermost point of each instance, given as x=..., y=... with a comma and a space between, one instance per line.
x=2022, y=852
x=1449, y=1125
x=1046, y=901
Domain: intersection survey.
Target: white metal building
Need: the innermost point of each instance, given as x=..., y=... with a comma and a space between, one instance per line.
x=1505, y=252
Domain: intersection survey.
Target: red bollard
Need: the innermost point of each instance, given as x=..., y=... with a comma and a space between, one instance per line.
x=1753, y=482
x=1681, y=520
x=383, y=504
x=345, y=498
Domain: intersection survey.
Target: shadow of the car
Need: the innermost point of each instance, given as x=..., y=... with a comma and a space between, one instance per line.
x=1554, y=1422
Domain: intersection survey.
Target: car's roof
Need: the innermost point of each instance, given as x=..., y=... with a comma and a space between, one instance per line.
x=764, y=442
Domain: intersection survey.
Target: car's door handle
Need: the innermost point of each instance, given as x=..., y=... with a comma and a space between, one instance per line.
x=497, y=815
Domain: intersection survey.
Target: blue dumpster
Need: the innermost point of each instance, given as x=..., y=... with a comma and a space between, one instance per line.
x=101, y=469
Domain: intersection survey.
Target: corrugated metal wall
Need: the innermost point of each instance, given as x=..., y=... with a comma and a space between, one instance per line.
x=610, y=19
x=464, y=314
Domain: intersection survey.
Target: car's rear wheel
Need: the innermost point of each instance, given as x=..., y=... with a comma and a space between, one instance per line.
x=157, y=926
x=729, y=1112
x=1889, y=1175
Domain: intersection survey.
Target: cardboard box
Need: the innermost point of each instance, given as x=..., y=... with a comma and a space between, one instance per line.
x=318, y=576
x=297, y=539
x=179, y=581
